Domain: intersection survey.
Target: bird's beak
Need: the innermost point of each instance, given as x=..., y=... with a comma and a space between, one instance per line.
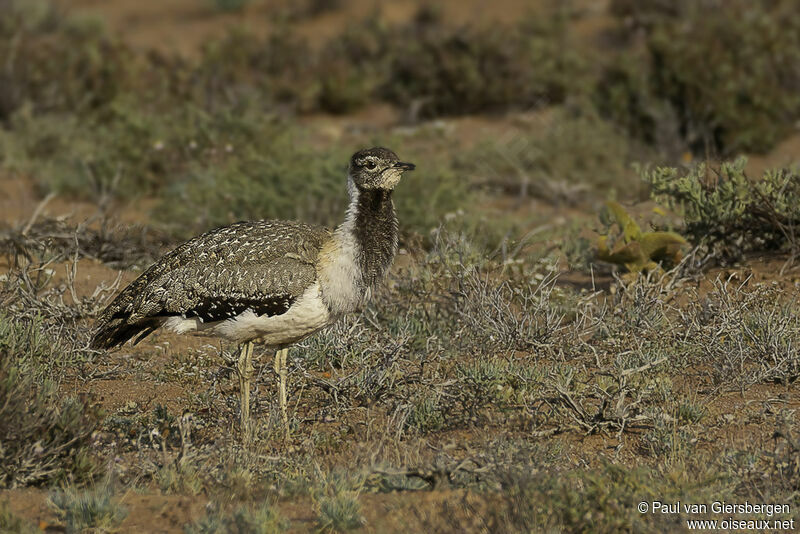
x=404, y=166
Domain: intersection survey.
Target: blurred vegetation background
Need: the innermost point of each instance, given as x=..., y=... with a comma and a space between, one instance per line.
x=234, y=129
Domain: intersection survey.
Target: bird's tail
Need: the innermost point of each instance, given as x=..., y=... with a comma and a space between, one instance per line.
x=114, y=331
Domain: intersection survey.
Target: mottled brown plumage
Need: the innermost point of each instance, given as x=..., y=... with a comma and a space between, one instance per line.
x=262, y=265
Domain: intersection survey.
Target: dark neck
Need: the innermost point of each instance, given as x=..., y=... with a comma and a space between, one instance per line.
x=375, y=230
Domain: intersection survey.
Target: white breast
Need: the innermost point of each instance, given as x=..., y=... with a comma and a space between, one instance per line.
x=338, y=270
x=339, y=274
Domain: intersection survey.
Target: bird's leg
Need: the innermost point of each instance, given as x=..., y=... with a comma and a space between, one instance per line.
x=281, y=371
x=245, y=372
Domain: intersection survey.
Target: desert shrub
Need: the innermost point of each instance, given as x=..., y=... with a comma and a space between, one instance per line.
x=57, y=63
x=624, y=95
x=44, y=438
x=669, y=440
x=728, y=213
x=425, y=197
x=426, y=414
x=352, y=67
x=25, y=342
x=729, y=71
x=177, y=479
x=241, y=68
x=603, y=499
x=126, y=150
x=507, y=317
x=336, y=503
x=212, y=168
x=262, y=519
x=276, y=177
x=425, y=65
x=744, y=335
x=467, y=70
x=54, y=239
x=93, y=510
x=777, y=473
x=560, y=157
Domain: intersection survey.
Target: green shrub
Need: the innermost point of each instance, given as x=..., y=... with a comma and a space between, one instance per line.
x=272, y=175
x=44, y=438
x=56, y=64
x=241, y=68
x=449, y=71
x=336, y=502
x=179, y=479
x=127, y=150
x=353, y=65
x=559, y=158
x=426, y=414
x=603, y=499
x=727, y=212
x=744, y=335
x=94, y=510
x=624, y=94
x=277, y=173
x=729, y=76
x=212, y=168
x=263, y=519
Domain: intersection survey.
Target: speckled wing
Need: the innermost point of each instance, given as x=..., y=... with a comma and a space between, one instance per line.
x=263, y=266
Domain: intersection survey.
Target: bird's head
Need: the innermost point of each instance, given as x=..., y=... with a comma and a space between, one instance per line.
x=377, y=168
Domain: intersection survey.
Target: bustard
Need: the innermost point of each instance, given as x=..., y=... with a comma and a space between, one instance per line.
x=274, y=281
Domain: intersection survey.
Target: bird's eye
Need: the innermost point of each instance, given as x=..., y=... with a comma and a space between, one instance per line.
x=371, y=165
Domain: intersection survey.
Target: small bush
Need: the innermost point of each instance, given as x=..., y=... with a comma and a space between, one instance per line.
x=128, y=151
x=242, y=69
x=44, y=438
x=95, y=510
x=503, y=317
x=728, y=72
x=744, y=335
x=275, y=177
x=669, y=440
x=625, y=96
x=262, y=519
x=728, y=213
x=213, y=168
x=467, y=70
x=561, y=158
x=603, y=500
x=353, y=65
x=179, y=479
x=778, y=473
x=336, y=503
x=55, y=64
x=426, y=414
